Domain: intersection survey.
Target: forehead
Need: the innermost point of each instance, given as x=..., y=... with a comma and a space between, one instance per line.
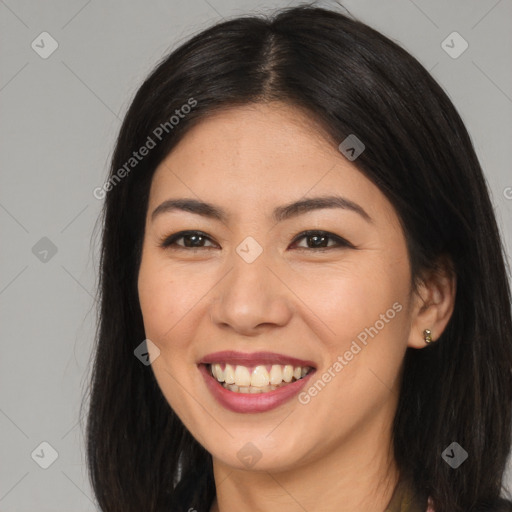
x=251, y=136
x=261, y=155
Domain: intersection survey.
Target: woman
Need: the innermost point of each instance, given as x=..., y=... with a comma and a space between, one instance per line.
x=304, y=302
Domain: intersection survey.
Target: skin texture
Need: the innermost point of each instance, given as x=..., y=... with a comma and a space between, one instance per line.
x=333, y=453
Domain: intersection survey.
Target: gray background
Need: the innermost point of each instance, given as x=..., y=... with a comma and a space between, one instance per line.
x=60, y=117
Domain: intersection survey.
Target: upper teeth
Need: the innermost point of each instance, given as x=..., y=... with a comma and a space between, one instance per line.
x=260, y=376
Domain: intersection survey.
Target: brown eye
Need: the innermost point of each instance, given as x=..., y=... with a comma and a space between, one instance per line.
x=191, y=239
x=320, y=240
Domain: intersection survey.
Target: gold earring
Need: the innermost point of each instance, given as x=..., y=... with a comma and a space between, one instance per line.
x=427, y=336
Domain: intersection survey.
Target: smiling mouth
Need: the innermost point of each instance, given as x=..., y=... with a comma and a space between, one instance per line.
x=256, y=379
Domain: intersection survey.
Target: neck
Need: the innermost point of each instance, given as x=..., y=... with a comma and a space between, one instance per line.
x=358, y=476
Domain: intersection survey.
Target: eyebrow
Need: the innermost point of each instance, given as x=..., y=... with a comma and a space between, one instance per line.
x=281, y=213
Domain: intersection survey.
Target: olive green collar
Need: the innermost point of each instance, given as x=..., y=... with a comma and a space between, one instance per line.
x=405, y=500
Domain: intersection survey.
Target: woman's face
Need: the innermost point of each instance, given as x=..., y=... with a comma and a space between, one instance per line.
x=249, y=283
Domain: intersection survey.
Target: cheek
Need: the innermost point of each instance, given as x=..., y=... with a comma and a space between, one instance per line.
x=151, y=297
x=165, y=301
x=366, y=312
x=161, y=295
x=350, y=300
x=365, y=306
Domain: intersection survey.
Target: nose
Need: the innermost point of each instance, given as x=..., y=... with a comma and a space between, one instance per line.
x=251, y=298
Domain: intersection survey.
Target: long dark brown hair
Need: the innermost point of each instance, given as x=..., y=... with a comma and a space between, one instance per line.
x=352, y=80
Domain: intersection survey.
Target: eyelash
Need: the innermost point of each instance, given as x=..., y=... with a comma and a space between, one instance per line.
x=168, y=241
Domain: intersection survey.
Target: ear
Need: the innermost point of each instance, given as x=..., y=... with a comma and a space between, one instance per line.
x=433, y=303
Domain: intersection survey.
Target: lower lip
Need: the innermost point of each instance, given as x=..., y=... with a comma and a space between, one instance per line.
x=252, y=402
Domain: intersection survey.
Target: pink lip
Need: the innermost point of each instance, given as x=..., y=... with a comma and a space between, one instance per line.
x=252, y=403
x=253, y=359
